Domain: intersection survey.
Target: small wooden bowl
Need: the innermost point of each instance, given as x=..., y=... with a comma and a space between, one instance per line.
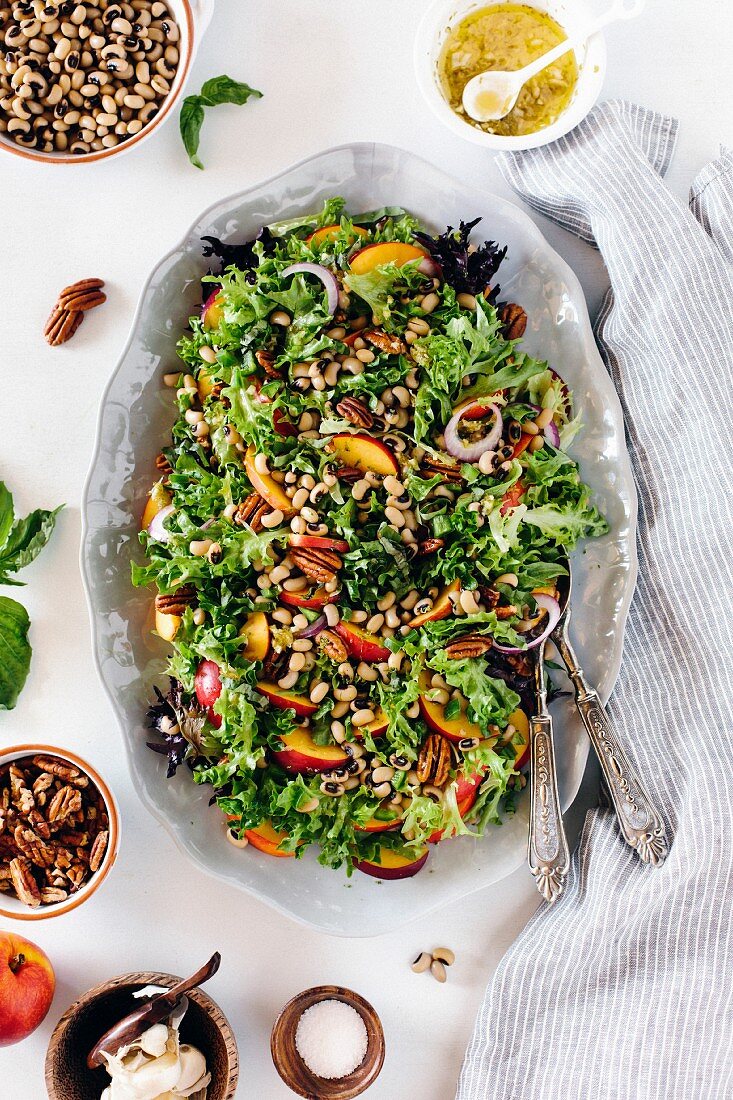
x=295, y=1072
x=204, y=1025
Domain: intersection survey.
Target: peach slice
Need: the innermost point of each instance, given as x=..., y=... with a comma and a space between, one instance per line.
x=267, y=487
x=287, y=700
x=442, y=607
x=256, y=632
x=213, y=310
x=376, y=727
x=266, y=839
x=167, y=625
x=314, y=600
x=454, y=729
x=302, y=754
x=158, y=499
x=329, y=232
x=361, y=452
x=466, y=795
x=360, y=643
x=389, y=252
x=392, y=865
x=205, y=383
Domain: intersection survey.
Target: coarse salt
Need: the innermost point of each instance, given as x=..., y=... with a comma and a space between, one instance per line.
x=331, y=1039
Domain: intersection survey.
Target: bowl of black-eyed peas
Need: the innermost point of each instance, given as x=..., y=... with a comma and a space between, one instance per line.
x=85, y=81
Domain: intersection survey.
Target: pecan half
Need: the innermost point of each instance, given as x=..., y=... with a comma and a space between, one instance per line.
x=24, y=882
x=513, y=320
x=38, y=823
x=33, y=847
x=267, y=361
x=467, y=646
x=434, y=761
x=83, y=286
x=62, y=770
x=61, y=326
x=489, y=596
x=53, y=894
x=429, y=546
x=175, y=603
x=251, y=511
x=505, y=612
x=349, y=474
x=449, y=471
x=64, y=803
x=332, y=646
x=99, y=847
x=391, y=345
x=81, y=300
x=355, y=411
x=320, y=565
x=162, y=464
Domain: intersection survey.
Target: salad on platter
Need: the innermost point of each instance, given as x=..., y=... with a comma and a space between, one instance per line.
x=355, y=536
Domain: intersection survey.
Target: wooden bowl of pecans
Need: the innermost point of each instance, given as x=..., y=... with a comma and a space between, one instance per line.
x=59, y=831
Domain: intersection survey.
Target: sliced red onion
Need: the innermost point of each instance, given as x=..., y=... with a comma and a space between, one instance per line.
x=472, y=452
x=327, y=278
x=429, y=267
x=314, y=629
x=552, y=607
x=156, y=530
x=551, y=434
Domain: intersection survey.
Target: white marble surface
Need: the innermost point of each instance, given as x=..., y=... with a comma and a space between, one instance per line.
x=330, y=73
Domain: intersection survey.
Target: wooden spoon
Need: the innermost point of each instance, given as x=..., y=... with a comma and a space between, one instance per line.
x=152, y=1012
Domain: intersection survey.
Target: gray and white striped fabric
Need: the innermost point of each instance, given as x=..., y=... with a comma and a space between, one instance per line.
x=624, y=989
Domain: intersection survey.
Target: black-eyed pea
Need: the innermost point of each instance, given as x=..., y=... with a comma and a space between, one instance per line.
x=437, y=969
x=421, y=963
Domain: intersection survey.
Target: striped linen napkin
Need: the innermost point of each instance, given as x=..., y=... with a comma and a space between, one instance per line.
x=624, y=989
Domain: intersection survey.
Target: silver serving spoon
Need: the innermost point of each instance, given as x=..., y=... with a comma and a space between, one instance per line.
x=155, y=1010
x=641, y=825
x=491, y=95
x=547, y=847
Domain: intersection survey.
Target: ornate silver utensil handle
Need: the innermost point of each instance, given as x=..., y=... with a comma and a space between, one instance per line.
x=547, y=849
x=641, y=825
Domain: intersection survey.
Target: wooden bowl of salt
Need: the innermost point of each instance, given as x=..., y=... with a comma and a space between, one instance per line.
x=328, y=1044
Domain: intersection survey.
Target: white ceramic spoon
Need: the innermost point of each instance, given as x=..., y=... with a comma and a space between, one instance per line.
x=491, y=95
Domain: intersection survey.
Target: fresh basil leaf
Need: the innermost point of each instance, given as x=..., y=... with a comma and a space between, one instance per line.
x=15, y=649
x=220, y=89
x=6, y=512
x=26, y=540
x=191, y=121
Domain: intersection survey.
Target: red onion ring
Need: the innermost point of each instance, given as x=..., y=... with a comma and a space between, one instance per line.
x=430, y=268
x=552, y=607
x=327, y=278
x=156, y=530
x=314, y=629
x=551, y=434
x=472, y=453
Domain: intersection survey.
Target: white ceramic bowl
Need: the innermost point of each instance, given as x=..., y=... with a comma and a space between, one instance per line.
x=570, y=14
x=193, y=17
x=11, y=906
x=136, y=415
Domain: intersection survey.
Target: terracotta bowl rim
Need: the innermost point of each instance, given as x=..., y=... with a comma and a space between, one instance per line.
x=184, y=66
x=56, y=909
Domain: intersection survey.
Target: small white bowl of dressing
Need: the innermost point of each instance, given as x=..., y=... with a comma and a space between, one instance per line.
x=438, y=51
